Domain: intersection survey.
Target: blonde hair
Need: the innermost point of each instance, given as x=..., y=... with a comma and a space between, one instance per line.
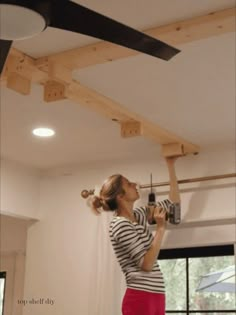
x=108, y=193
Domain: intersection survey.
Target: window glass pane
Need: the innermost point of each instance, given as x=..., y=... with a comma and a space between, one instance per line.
x=174, y=271
x=212, y=283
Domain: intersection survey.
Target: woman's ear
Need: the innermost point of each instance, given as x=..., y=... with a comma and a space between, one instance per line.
x=119, y=197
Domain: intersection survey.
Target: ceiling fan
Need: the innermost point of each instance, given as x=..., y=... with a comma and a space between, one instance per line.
x=21, y=19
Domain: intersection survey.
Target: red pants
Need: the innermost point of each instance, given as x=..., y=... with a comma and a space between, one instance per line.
x=136, y=302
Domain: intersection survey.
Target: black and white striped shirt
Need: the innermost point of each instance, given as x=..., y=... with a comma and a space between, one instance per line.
x=130, y=241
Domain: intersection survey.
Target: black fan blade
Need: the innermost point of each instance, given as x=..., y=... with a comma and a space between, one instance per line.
x=5, y=46
x=71, y=16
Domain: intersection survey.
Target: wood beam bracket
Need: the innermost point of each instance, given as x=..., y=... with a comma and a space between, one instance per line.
x=54, y=91
x=18, y=73
x=174, y=149
x=19, y=83
x=23, y=65
x=131, y=129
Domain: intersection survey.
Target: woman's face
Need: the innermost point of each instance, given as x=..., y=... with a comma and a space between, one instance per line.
x=130, y=189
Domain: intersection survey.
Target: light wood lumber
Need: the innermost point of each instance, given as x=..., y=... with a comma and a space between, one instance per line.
x=19, y=83
x=24, y=65
x=116, y=112
x=58, y=68
x=178, y=33
x=86, y=193
x=191, y=180
x=54, y=91
x=131, y=129
x=172, y=149
x=59, y=72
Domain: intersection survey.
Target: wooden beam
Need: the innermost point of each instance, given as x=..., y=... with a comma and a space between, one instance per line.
x=96, y=102
x=59, y=72
x=178, y=33
x=118, y=113
x=21, y=70
x=202, y=27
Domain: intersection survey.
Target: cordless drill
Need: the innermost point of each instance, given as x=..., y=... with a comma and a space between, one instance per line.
x=173, y=215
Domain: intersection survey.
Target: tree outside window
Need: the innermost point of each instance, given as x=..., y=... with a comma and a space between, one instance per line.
x=183, y=275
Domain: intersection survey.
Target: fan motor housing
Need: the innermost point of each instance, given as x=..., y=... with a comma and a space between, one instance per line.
x=23, y=19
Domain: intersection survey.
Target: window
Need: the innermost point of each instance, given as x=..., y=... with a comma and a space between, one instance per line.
x=199, y=280
x=2, y=290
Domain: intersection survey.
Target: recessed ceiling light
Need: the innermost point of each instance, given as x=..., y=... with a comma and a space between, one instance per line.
x=43, y=132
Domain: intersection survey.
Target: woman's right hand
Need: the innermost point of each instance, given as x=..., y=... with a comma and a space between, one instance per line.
x=160, y=217
x=152, y=253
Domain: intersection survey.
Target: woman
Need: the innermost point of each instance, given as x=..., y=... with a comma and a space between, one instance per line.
x=135, y=247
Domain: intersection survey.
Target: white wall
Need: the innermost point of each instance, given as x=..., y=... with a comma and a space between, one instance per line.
x=12, y=260
x=62, y=247
x=19, y=207
x=19, y=190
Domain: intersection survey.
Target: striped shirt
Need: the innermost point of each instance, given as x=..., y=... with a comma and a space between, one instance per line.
x=131, y=241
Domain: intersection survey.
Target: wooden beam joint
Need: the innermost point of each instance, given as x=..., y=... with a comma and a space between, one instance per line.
x=59, y=73
x=42, y=64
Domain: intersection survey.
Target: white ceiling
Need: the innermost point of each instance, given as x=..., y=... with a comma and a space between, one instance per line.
x=193, y=95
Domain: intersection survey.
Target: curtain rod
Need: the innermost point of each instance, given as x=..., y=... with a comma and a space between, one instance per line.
x=191, y=180
x=85, y=193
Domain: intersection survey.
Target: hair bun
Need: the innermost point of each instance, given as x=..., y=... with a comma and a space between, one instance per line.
x=97, y=203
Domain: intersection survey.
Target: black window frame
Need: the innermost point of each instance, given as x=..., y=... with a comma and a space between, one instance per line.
x=3, y=275
x=197, y=252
